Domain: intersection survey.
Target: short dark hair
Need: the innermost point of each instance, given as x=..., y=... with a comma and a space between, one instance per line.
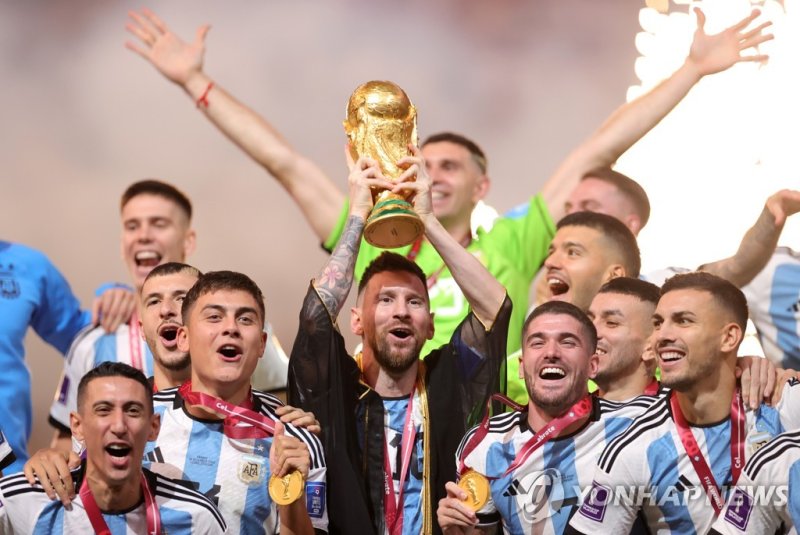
x=629, y=188
x=642, y=290
x=563, y=308
x=170, y=268
x=159, y=189
x=115, y=369
x=473, y=148
x=613, y=230
x=727, y=295
x=388, y=261
x=215, y=281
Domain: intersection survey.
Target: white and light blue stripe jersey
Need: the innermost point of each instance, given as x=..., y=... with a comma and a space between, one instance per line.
x=766, y=499
x=26, y=510
x=233, y=473
x=94, y=346
x=6, y=453
x=773, y=298
x=540, y=495
x=394, y=417
x=646, y=469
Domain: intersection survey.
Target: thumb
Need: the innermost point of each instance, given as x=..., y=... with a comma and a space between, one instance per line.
x=348, y=154
x=280, y=429
x=701, y=18
x=200, y=36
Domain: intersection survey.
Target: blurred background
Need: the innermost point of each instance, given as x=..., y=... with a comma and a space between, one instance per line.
x=83, y=117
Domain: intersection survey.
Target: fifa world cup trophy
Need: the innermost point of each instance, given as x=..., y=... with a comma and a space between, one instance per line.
x=381, y=122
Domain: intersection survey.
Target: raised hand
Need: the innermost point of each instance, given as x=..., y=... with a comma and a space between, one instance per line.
x=364, y=175
x=177, y=60
x=783, y=204
x=715, y=53
x=453, y=516
x=288, y=454
x=113, y=307
x=299, y=418
x=416, y=180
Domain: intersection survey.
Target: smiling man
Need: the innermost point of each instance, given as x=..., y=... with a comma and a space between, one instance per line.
x=115, y=419
x=622, y=313
x=390, y=421
x=699, y=321
x=225, y=439
x=536, y=461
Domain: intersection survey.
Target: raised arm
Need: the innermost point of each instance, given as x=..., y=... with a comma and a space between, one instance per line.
x=182, y=63
x=484, y=293
x=709, y=54
x=333, y=282
x=759, y=241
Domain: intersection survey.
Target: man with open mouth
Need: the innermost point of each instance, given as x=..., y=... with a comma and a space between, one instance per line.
x=700, y=434
x=115, y=419
x=156, y=229
x=390, y=421
x=536, y=460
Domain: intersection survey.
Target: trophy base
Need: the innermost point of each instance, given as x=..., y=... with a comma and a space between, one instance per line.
x=393, y=223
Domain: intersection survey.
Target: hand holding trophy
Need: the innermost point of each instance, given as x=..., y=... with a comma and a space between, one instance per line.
x=381, y=123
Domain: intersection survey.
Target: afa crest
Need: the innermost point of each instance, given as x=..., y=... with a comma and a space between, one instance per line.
x=252, y=470
x=9, y=287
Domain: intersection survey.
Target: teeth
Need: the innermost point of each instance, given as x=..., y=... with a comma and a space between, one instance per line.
x=146, y=255
x=435, y=195
x=601, y=351
x=671, y=355
x=553, y=371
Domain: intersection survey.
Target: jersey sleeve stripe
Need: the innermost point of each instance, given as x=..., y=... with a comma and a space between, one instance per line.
x=655, y=416
x=771, y=451
x=168, y=489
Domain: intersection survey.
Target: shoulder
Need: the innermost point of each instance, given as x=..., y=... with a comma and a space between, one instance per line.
x=182, y=497
x=630, y=408
x=640, y=431
x=165, y=397
x=777, y=455
x=496, y=427
x=16, y=487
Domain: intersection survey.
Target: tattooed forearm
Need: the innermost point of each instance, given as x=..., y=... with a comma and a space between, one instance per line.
x=334, y=281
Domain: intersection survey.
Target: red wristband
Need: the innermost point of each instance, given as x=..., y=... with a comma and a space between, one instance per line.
x=203, y=100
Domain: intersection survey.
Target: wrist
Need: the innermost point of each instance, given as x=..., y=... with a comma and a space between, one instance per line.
x=360, y=212
x=692, y=70
x=196, y=84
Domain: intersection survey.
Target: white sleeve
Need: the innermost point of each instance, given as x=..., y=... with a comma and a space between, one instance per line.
x=789, y=405
x=605, y=509
x=80, y=360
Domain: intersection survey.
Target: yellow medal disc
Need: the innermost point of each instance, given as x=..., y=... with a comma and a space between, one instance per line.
x=477, y=488
x=285, y=490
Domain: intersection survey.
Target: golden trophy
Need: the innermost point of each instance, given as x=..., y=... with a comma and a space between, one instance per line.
x=381, y=123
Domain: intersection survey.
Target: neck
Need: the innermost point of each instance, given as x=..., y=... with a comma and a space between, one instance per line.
x=389, y=385
x=625, y=387
x=710, y=400
x=539, y=417
x=164, y=378
x=232, y=393
x=113, y=496
x=460, y=230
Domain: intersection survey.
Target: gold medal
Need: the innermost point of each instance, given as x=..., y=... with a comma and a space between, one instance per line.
x=285, y=490
x=477, y=488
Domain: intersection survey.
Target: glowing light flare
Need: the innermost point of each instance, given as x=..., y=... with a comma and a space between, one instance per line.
x=710, y=165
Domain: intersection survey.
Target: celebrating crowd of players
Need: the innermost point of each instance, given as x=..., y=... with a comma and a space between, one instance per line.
x=162, y=426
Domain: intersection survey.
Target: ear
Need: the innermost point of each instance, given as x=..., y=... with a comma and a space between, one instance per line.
x=481, y=188
x=634, y=223
x=614, y=271
x=189, y=243
x=731, y=337
x=141, y=330
x=75, y=426
x=594, y=364
x=431, y=329
x=155, y=427
x=183, y=339
x=356, y=326
x=521, y=372
x=264, y=337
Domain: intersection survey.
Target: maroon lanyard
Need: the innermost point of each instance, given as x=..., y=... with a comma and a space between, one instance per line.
x=652, y=388
x=260, y=426
x=394, y=509
x=135, y=342
x=696, y=456
x=96, y=517
x=553, y=429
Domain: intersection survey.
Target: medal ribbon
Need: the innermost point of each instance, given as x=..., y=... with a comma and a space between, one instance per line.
x=394, y=509
x=699, y=463
x=135, y=342
x=483, y=428
x=652, y=388
x=96, y=517
x=260, y=426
